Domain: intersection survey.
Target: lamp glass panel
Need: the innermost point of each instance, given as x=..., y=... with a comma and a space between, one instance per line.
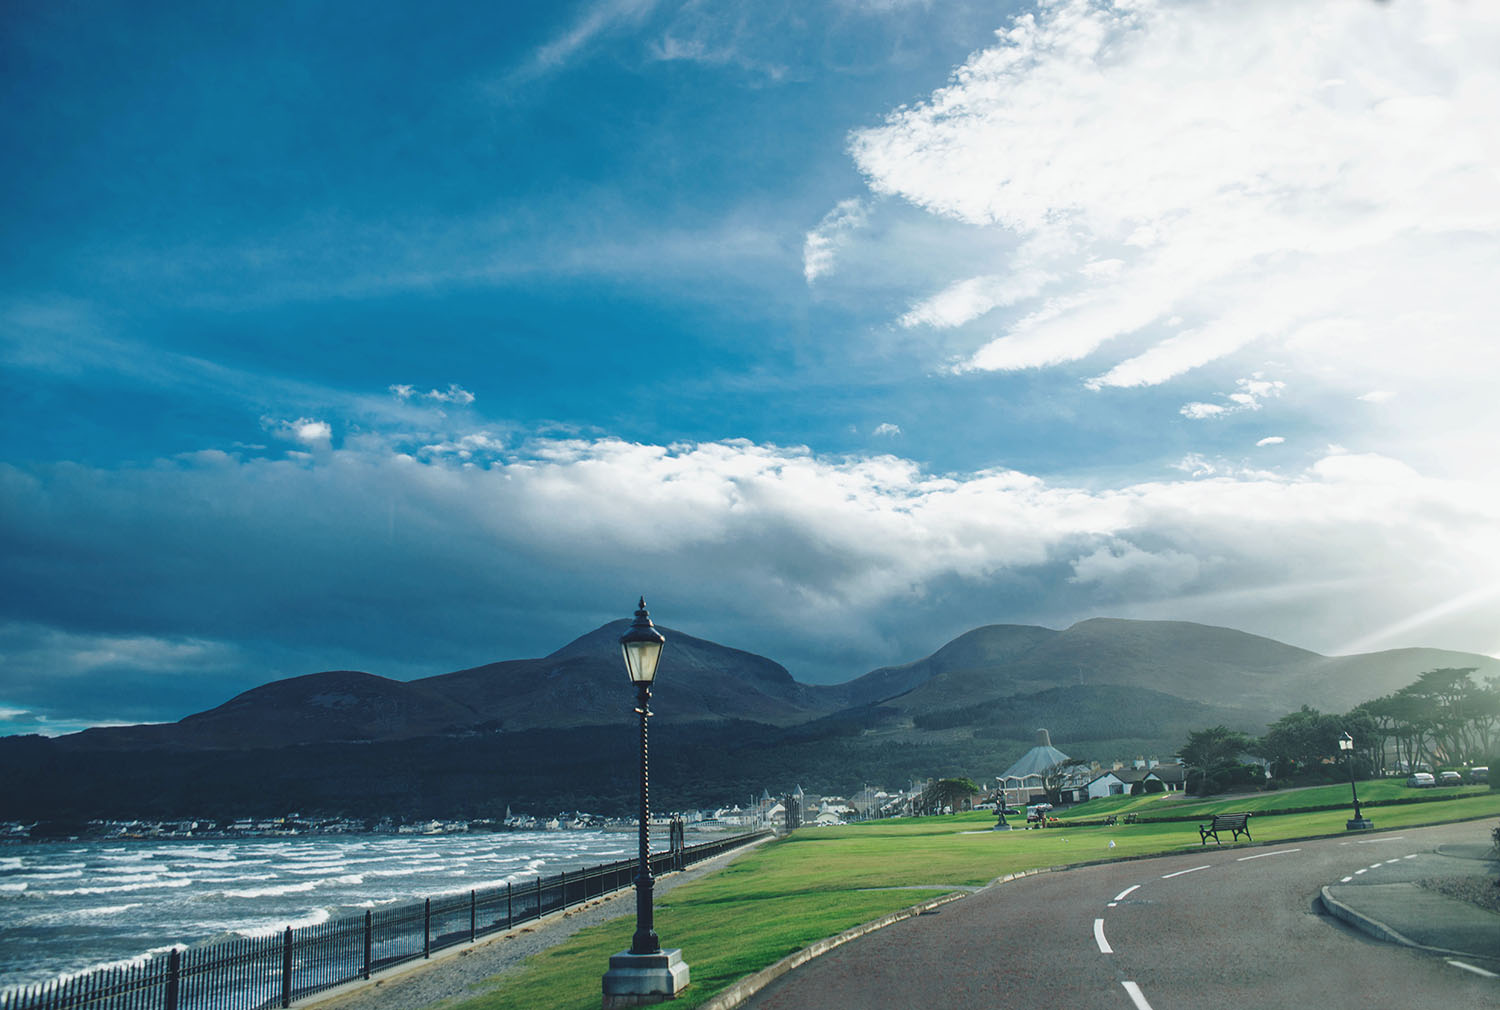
x=640, y=660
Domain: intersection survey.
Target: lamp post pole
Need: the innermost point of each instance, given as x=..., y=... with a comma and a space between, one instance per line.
x=645, y=940
x=645, y=973
x=1359, y=823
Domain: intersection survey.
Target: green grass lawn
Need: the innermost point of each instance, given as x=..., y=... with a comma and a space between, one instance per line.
x=817, y=882
x=1374, y=792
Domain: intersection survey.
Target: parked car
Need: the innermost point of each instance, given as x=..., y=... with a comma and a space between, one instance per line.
x=1450, y=779
x=1479, y=773
x=1421, y=780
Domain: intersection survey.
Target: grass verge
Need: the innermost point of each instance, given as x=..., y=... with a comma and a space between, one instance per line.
x=818, y=882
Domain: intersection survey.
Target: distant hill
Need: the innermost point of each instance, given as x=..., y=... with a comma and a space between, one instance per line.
x=540, y=732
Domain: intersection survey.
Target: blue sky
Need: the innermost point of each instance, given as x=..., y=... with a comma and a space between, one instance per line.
x=408, y=340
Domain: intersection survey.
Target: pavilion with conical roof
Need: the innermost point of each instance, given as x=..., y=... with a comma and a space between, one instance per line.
x=1024, y=780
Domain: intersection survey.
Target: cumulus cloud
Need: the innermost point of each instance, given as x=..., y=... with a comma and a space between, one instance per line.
x=828, y=549
x=886, y=429
x=820, y=248
x=1270, y=440
x=1187, y=184
x=304, y=431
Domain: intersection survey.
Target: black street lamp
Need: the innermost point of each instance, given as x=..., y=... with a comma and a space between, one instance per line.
x=1360, y=822
x=645, y=973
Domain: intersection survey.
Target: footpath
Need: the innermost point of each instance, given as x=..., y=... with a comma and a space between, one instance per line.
x=1439, y=914
x=452, y=975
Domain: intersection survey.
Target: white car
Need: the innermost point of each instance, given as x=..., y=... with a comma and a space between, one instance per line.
x=1420, y=780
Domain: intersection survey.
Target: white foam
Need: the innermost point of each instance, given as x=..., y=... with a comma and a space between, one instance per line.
x=316, y=917
x=266, y=892
x=181, y=882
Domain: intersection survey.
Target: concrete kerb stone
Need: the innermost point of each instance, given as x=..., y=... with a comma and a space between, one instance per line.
x=727, y=999
x=1366, y=924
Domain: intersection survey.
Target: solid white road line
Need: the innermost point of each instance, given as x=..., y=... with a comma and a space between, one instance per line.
x=1378, y=841
x=1470, y=967
x=1169, y=876
x=1132, y=887
x=1134, y=992
x=1104, y=947
x=1263, y=855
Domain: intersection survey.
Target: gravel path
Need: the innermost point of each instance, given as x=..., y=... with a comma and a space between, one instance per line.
x=455, y=973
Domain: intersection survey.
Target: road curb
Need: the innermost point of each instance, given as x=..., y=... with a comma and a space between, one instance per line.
x=727, y=999
x=1380, y=931
x=1366, y=924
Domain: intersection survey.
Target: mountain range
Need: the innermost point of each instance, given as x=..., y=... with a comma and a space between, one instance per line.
x=545, y=731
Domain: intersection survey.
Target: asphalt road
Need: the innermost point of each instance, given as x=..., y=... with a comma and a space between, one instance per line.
x=1231, y=927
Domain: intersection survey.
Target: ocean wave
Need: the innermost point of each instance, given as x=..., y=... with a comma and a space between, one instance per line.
x=316, y=917
x=401, y=872
x=126, y=962
x=241, y=878
x=267, y=892
x=123, y=888
x=13, y=888
x=45, y=875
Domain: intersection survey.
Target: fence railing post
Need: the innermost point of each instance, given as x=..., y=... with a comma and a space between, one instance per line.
x=286, y=969
x=509, y=918
x=368, y=944
x=473, y=916
x=174, y=977
x=427, y=929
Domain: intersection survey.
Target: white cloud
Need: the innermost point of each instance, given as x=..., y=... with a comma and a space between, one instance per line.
x=1377, y=396
x=1270, y=440
x=885, y=429
x=304, y=430
x=1250, y=394
x=1184, y=184
x=820, y=247
x=453, y=394
x=827, y=549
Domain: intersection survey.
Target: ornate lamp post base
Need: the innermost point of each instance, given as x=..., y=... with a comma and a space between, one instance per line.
x=644, y=979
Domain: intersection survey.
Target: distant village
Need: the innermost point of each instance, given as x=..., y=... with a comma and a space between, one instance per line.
x=1042, y=775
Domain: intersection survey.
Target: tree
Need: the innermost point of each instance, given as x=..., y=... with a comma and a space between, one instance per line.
x=954, y=793
x=1301, y=740
x=1211, y=755
x=1055, y=777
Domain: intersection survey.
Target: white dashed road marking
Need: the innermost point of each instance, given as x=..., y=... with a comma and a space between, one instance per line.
x=1470, y=967
x=1169, y=876
x=1104, y=947
x=1135, y=996
x=1263, y=855
x=1132, y=887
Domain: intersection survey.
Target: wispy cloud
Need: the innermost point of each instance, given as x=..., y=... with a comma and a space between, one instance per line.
x=597, y=20
x=820, y=248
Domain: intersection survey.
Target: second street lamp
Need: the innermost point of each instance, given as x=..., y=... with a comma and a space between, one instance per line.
x=1360, y=822
x=645, y=973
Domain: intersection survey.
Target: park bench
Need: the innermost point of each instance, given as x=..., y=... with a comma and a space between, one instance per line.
x=1237, y=823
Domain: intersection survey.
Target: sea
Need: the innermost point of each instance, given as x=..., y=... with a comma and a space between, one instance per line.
x=69, y=907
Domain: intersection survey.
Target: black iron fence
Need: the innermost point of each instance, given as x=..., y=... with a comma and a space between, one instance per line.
x=271, y=971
